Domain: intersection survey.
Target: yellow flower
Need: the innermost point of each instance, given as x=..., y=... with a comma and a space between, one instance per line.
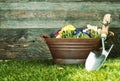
x=58, y=36
x=68, y=28
x=60, y=32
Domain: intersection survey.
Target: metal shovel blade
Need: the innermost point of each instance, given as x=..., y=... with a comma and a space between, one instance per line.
x=96, y=59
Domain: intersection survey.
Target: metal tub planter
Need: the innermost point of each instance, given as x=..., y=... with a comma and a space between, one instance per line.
x=71, y=50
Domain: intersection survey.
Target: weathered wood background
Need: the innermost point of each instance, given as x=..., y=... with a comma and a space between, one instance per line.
x=22, y=22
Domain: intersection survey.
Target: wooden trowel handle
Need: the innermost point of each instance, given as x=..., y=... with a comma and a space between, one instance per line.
x=106, y=24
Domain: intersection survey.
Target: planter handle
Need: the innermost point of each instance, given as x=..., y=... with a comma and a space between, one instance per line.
x=44, y=36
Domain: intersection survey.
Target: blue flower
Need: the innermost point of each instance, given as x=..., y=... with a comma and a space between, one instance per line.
x=76, y=32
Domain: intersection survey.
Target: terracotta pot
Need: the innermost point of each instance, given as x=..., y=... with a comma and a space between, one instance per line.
x=71, y=50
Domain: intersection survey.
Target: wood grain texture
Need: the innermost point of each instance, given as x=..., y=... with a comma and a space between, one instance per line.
x=55, y=15
x=23, y=44
x=27, y=43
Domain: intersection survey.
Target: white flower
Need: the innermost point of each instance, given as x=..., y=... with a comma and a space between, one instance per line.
x=84, y=30
x=95, y=28
x=89, y=26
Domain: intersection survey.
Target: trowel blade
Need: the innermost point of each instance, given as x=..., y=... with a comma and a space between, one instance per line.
x=94, y=61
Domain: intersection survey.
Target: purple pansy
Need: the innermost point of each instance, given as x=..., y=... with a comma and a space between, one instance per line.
x=56, y=32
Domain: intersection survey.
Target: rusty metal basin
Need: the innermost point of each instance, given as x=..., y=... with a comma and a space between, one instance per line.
x=71, y=50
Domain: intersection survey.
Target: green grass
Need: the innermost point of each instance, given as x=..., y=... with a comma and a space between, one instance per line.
x=45, y=70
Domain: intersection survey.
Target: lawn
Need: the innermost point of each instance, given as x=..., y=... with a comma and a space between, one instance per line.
x=46, y=70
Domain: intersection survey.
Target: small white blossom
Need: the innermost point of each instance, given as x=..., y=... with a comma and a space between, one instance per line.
x=89, y=26
x=95, y=28
x=84, y=30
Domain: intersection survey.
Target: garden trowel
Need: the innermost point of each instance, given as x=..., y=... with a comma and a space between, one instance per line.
x=95, y=59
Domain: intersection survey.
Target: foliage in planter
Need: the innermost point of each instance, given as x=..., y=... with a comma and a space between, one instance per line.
x=70, y=31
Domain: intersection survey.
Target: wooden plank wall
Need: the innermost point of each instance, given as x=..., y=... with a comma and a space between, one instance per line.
x=22, y=22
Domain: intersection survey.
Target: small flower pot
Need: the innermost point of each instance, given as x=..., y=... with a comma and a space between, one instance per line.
x=71, y=50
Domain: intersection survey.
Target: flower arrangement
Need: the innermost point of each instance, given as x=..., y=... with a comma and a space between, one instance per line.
x=70, y=31
x=82, y=42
